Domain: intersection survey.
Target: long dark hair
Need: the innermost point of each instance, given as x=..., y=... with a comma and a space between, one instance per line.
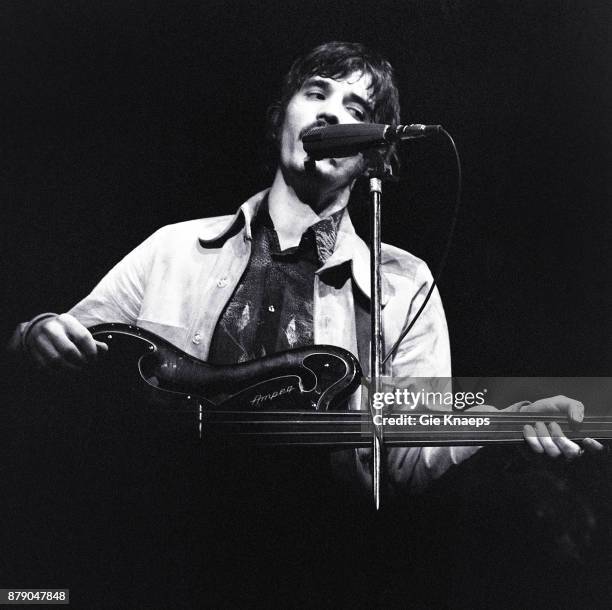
x=338, y=60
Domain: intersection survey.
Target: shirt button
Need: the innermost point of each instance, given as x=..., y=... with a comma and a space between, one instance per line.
x=222, y=282
x=197, y=338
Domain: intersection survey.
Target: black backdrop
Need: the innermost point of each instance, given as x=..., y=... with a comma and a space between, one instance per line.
x=120, y=117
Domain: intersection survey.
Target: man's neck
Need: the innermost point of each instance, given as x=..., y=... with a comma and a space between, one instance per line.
x=292, y=215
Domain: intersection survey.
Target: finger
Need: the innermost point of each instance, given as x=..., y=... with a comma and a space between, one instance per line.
x=575, y=413
x=574, y=409
x=87, y=347
x=592, y=446
x=85, y=344
x=67, y=350
x=550, y=449
x=79, y=336
x=39, y=360
x=568, y=448
x=49, y=356
x=531, y=438
x=44, y=348
x=102, y=347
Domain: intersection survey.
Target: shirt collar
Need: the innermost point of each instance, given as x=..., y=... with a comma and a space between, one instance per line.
x=317, y=241
x=349, y=247
x=211, y=235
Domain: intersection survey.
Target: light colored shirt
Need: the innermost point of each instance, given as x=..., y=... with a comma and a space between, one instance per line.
x=178, y=281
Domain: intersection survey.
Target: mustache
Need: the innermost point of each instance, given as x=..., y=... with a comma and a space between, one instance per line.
x=318, y=123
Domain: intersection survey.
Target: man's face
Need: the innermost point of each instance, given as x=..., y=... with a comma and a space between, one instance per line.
x=324, y=101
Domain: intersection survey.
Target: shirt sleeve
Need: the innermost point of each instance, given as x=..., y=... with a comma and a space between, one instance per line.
x=118, y=296
x=425, y=354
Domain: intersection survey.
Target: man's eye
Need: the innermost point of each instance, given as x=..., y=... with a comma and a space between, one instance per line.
x=357, y=113
x=315, y=94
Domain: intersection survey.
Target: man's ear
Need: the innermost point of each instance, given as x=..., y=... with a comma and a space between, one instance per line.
x=274, y=118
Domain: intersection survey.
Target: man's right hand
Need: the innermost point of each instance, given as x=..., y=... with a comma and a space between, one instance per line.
x=62, y=342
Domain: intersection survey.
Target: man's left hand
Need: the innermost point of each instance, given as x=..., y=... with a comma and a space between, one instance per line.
x=550, y=439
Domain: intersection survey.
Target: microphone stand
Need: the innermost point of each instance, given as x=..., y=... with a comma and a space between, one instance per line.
x=378, y=169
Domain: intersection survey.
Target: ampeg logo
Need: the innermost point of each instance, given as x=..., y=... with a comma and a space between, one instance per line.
x=260, y=399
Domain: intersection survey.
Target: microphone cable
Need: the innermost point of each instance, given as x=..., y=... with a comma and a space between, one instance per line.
x=444, y=258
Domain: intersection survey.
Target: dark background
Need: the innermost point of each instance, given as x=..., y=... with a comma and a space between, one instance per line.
x=120, y=117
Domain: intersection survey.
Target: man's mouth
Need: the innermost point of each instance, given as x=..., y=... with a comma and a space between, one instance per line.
x=311, y=163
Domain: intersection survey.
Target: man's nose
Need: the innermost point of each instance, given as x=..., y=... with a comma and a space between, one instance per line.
x=327, y=116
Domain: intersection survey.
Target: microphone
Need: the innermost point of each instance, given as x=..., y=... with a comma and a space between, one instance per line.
x=348, y=139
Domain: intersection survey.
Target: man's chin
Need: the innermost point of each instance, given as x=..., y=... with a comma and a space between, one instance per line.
x=329, y=172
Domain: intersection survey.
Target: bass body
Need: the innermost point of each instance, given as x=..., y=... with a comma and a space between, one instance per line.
x=314, y=378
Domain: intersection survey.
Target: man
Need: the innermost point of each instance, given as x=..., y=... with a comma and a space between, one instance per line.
x=288, y=270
